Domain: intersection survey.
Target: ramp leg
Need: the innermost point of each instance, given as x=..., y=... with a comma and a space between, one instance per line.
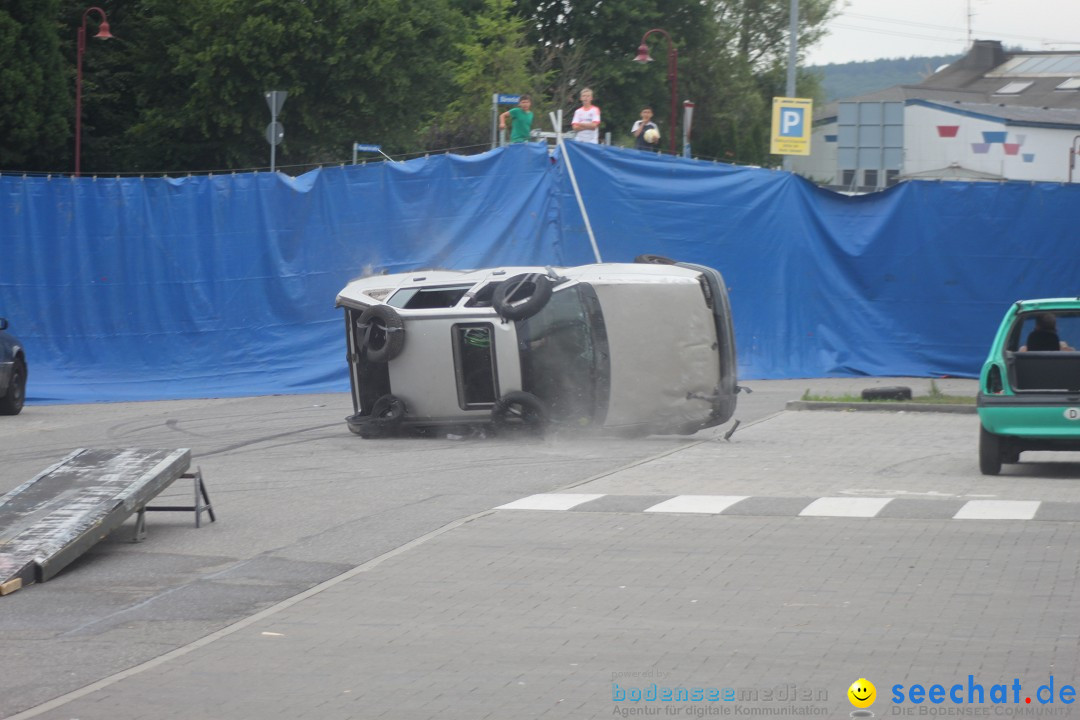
x=140, y=526
x=201, y=505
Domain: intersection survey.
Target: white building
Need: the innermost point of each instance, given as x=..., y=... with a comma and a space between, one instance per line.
x=991, y=115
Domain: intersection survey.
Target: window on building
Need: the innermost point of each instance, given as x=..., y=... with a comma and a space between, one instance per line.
x=847, y=178
x=891, y=177
x=870, y=178
x=1014, y=88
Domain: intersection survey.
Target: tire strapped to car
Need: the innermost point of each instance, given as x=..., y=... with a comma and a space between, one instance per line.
x=522, y=296
x=383, y=333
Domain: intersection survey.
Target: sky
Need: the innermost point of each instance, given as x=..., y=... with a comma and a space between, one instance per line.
x=873, y=29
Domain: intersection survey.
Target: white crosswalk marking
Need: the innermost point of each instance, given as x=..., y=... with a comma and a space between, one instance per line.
x=549, y=501
x=845, y=507
x=998, y=510
x=712, y=504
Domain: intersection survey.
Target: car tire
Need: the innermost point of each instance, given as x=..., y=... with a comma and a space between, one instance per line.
x=653, y=260
x=12, y=401
x=989, y=452
x=384, y=420
x=383, y=333
x=519, y=410
x=522, y=296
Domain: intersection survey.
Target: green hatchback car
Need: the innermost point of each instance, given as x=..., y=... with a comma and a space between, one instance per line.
x=1029, y=388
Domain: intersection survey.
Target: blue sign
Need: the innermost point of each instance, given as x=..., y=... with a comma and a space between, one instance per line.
x=361, y=147
x=792, y=121
x=509, y=99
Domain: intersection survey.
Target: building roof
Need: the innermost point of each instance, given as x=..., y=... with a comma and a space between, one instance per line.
x=1067, y=118
x=988, y=75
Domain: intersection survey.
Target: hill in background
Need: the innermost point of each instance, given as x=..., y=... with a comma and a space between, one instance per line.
x=845, y=80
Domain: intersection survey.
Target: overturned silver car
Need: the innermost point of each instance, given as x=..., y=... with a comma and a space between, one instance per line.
x=632, y=348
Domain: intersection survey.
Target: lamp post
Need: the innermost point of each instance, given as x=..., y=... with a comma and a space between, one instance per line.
x=672, y=74
x=104, y=34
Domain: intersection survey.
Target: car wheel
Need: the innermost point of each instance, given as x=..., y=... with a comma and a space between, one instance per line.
x=989, y=452
x=1010, y=455
x=522, y=296
x=519, y=410
x=654, y=260
x=12, y=401
x=383, y=333
x=384, y=420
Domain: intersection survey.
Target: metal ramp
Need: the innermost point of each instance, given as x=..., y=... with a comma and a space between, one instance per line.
x=51, y=520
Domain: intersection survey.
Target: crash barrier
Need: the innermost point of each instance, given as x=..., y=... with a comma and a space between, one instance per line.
x=216, y=286
x=48, y=522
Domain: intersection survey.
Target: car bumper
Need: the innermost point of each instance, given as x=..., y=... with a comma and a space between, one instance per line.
x=1035, y=416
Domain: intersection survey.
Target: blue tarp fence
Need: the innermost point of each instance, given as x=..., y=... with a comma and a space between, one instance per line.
x=224, y=285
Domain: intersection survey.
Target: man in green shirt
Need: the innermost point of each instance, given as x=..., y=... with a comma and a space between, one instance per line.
x=521, y=119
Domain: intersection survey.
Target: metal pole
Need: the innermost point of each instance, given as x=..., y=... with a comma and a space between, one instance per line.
x=78, y=96
x=673, y=78
x=494, y=120
x=1072, y=157
x=574, y=184
x=273, y=125
x=793, y=56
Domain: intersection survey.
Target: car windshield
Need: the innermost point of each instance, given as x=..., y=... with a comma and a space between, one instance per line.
x=564, y=355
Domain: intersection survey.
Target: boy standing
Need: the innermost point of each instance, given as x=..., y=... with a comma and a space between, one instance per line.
x=587, y=119
x=521, y=119
x=640, y=126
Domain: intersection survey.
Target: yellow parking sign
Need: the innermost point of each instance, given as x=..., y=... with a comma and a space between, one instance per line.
x=791, y=124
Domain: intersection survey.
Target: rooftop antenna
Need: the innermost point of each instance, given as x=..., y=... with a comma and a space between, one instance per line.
x=969, y=16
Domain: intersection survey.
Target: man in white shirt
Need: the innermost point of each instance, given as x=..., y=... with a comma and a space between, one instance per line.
x=587, y=119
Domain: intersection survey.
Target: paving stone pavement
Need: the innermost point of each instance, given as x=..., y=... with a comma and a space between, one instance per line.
x=555, y=612
x=582, y=606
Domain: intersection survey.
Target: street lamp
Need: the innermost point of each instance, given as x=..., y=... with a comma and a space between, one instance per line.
x=672, y=74
x=104, y=34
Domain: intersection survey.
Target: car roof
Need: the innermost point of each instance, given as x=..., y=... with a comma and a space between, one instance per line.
x=1072, y=303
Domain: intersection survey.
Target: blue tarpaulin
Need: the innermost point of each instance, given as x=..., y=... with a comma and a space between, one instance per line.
x=213, y=286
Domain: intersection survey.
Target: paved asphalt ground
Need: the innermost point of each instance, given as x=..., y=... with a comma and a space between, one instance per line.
x=411, y=578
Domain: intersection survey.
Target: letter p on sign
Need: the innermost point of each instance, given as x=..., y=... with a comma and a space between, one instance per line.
x=791, y=122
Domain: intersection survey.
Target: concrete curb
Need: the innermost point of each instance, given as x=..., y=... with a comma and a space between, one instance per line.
x=881, y=406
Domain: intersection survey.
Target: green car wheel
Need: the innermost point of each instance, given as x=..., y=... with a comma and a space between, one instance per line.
x=989, y=452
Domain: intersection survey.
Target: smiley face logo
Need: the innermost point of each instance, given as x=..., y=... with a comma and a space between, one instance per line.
x=862, y=693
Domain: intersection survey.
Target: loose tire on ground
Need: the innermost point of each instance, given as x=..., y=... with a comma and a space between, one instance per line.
x=382, y=333
x=12, y=401
x=519, y=410
x=990, y=452
x=522, y=296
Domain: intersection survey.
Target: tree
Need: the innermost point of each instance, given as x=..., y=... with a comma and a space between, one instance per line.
x=190, y=79
x=729, y=54
x=34, y=98
x=494, y=56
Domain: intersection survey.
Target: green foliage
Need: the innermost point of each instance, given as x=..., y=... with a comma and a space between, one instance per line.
x=493, y=56
x=732, y=58
x=181, y=87
x=35, y=104
x=354, y=72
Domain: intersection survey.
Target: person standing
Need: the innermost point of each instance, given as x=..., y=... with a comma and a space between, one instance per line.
x=521, y=120
x=587, y=119
x=640, y=126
